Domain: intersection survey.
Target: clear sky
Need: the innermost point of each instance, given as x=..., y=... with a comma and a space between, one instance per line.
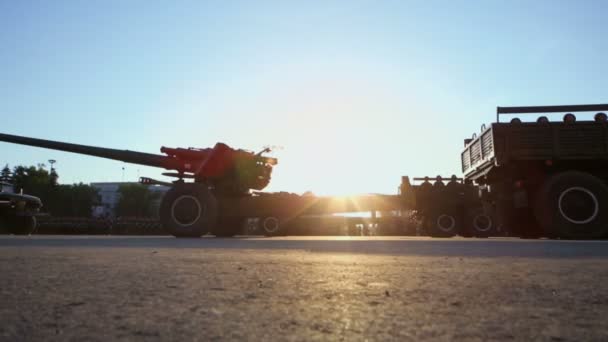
x=357, y=93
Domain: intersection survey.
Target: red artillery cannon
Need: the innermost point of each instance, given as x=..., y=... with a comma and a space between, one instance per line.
x=221, y=195
x=188, y=208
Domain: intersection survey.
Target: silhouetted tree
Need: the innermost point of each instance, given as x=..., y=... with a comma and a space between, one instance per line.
x=57, y=199
x=136, y=200
x=33, y=180
x=6, y=175
x=72, y=200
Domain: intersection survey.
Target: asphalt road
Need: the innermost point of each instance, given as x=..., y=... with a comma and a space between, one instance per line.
x=269, y=289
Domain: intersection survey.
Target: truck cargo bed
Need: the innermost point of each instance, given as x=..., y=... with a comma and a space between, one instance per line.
x=502, y=143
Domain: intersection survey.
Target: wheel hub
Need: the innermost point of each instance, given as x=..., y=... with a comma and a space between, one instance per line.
x=578, y=205
x=482, y=223
x=186, y=210
x=271, y=224
x=446, y=223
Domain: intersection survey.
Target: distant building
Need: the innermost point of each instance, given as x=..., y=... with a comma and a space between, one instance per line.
x=109, y=196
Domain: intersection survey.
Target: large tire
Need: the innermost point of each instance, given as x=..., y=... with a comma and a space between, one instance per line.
x=228, y=227
x=479, y=224
x=22, y=225
x=189, y=210
x=573, y=205
x=443, y=224
x=272, y=226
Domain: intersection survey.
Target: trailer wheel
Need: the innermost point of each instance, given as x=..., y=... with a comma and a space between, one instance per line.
x=228, y=227
x=573, y=205
x=444, y=225
x=22, y=225
x=271, y=226
x=188, y=210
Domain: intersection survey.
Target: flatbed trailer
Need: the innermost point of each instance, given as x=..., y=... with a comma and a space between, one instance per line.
x=278, y=209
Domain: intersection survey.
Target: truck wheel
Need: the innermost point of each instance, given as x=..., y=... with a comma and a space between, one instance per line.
x=573, y=205
x=188, y=210
x=479, y=223
x=228, y=227
x=444, y=225
x=271, y=226
x=22, y=225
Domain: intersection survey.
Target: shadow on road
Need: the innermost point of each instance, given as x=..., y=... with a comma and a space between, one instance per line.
x=375, y=245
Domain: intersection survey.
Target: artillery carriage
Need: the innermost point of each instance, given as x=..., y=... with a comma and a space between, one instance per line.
x=217, y=189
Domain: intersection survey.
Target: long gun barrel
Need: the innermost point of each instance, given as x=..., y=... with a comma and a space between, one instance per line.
x=220, y=166
x=127, y=156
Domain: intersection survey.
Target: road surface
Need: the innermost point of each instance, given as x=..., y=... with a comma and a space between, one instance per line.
x=301, y=288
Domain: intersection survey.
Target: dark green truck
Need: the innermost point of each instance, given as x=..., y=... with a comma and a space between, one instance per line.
x=543, y=178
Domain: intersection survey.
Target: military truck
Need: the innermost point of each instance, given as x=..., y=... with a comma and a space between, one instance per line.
x=17, y=211
x=543, y=178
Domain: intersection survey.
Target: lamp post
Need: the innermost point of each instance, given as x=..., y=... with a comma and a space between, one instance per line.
x=52, y=173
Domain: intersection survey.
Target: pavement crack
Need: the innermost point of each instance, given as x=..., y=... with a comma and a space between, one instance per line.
x=75, y=304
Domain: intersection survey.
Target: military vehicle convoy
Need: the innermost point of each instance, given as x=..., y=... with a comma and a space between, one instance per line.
x=17, y=211
x=526, y=179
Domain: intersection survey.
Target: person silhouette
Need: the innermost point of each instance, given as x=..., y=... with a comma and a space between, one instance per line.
x=453, y=186
x=439, y=183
